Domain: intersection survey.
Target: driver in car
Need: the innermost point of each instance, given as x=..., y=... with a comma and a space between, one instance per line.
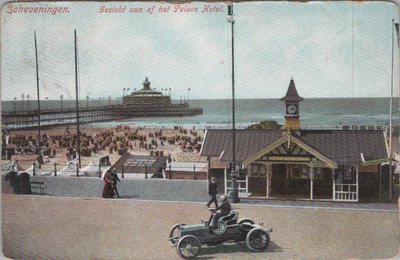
x=223, y=210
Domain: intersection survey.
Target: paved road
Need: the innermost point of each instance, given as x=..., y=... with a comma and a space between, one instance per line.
x=41, y=227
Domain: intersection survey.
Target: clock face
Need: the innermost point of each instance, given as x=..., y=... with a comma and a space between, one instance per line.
x=291, y=109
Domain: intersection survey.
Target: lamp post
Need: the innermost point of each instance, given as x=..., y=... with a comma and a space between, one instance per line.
x=61, y=99
x=233, y=192
x=123, y=92
x=188, y=94
x=87, y=101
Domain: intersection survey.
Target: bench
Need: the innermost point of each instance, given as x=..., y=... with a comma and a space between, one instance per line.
x=38, y=185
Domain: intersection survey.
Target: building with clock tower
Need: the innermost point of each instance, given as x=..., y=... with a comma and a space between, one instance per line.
x=313, y=164
x=292, y=99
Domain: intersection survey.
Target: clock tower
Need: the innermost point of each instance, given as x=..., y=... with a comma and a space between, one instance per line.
x=292, y=99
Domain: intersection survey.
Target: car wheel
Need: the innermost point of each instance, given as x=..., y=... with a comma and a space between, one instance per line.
x=257, y=239
x=188, y=247
x=174, y=233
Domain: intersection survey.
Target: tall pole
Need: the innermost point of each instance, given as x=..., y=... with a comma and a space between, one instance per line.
x=37, y=90
x=391, y=119
x=78, y=140
x=397, y=27
x=233, y=193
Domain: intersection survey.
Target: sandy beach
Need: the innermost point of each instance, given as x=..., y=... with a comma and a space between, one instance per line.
x=96, y=142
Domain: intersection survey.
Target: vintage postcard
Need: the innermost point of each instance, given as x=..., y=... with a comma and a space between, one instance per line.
x=210, y=130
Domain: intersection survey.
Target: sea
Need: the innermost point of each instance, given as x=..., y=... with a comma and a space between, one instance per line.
x=315, y=113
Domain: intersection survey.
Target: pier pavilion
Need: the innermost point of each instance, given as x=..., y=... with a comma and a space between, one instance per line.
x=146, y=102
x=338, y=165
x=147, y=97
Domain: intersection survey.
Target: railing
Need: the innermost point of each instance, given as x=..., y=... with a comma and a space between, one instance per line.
x=244, y=125
x=345, y=192
x=243, y=187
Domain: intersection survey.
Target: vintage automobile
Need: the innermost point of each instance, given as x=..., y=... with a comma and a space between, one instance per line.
x=188, y=239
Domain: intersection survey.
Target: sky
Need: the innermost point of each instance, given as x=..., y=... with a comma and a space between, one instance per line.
x=330, y=49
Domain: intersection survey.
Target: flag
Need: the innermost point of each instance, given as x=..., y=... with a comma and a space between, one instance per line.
x=397, y=25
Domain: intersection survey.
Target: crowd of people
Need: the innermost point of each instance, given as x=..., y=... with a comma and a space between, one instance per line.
x=61, y=144
x=120, y=140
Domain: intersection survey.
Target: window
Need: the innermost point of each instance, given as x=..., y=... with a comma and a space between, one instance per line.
x=258, y=170
x=254, y=170
x=295, y=169
x=348, y=174
x=263, y=170
x=304, y=172
x=318, y=173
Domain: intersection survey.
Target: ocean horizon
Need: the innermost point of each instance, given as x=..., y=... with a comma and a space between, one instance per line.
x=314, y=112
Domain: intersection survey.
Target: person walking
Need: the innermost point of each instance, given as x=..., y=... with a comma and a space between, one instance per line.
x=115, y=179
x=108, y=191
x=212, y=191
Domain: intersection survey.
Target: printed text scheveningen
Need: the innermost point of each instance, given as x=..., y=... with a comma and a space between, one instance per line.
x=14, y=9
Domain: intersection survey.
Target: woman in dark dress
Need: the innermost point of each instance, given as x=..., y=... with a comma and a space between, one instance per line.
x=108, y=191
x=24, y=181
x=13, y=178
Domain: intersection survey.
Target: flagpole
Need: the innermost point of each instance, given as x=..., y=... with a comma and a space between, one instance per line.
x=37, y=90
x=391, y=118
x=78, y=148
x=397, y=27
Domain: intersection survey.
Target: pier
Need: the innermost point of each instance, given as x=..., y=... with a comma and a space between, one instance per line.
x=66, y=116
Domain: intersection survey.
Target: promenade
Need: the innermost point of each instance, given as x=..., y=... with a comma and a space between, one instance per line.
x=47, y=227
